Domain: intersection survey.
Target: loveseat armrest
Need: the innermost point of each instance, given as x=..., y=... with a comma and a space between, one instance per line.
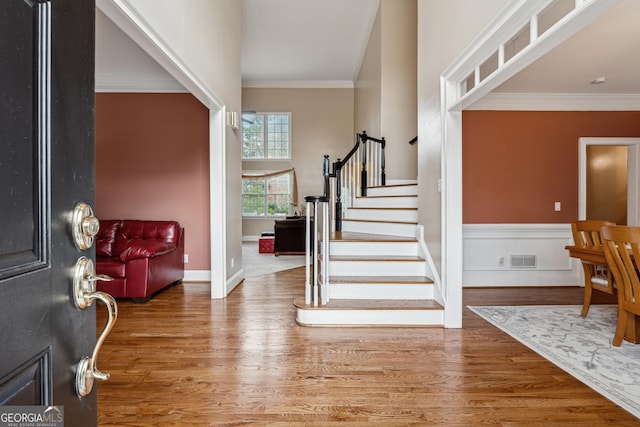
x=145, y=249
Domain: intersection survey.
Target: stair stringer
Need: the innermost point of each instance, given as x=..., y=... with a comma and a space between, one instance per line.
x=431, y=270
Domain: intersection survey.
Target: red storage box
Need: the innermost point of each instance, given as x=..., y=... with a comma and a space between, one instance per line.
x=265, y=245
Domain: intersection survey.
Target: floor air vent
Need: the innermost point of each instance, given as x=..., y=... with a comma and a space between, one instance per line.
x=523, y=261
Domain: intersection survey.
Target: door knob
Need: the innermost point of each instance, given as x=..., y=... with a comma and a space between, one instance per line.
x=84, y=225
x=84, y=295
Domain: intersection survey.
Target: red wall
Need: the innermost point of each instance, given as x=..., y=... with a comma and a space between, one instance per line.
x=516, y=164
x=152, y=162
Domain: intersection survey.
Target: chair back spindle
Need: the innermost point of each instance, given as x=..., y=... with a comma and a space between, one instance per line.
x=622, y=250
x=586, y=234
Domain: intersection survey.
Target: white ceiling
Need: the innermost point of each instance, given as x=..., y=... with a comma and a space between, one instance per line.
x=324, y=40
x=284, y=42
x=304, y=40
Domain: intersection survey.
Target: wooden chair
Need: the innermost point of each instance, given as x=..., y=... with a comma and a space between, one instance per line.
x=622, y=249
x=586, y=234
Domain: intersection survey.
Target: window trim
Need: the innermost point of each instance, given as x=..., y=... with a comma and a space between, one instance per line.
x=266, y=194
x=264, y=133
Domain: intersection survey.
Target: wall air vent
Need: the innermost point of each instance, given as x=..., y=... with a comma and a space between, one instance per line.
x=523, y=261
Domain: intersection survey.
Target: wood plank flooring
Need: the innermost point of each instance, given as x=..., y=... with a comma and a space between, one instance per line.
x=183, y=359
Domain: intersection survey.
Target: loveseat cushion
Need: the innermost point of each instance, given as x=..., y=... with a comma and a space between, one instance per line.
x=106, y=237
x=162, y=231
x=139, y=248
x=111, y=266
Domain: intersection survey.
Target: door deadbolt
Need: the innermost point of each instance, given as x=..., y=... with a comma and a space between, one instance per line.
x=85, y=226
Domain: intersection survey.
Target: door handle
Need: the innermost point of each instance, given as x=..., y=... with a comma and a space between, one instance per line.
x=84, y=295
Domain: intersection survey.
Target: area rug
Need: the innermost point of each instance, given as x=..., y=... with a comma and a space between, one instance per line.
x=257, y=264
x=580, y=346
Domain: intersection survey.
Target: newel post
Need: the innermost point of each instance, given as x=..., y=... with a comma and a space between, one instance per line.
x=337, y=170
x=363, y=173
x=383, y=176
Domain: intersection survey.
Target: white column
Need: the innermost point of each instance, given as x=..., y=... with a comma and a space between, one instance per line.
x=307, y=257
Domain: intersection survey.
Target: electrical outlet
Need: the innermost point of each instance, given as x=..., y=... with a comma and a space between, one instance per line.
x=501, y=261
x=186, y=258
x=233, y=262
x=557, y=206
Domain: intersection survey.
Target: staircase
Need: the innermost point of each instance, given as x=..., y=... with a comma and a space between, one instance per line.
x=378, y=271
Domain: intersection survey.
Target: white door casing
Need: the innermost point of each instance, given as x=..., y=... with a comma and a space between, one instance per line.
x=133, y=24
x=633, y=170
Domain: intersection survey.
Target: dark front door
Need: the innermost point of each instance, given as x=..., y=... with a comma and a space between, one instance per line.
x=46, y=168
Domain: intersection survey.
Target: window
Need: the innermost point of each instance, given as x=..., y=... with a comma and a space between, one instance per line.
x=266, y=136
x=265, y=197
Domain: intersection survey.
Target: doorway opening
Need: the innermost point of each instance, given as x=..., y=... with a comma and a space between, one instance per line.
x=132, y=24
x=608, y=179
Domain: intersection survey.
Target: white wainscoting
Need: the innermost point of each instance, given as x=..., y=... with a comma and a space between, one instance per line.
x=484, y=245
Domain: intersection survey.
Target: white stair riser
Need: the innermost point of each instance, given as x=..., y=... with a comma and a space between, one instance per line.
x=385, y=228
x=408, y=215
x=407, y=190
x=376, y=268
x=374, y=248
x=386, y=202
x=370, y=317
x=396, y=291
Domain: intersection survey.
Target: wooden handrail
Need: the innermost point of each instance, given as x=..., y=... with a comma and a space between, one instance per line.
x=338, y=166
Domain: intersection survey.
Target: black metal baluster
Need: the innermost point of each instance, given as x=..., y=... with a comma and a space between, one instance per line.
x=363, y=173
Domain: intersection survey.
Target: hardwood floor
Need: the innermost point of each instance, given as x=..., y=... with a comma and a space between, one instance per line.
x=183, y=359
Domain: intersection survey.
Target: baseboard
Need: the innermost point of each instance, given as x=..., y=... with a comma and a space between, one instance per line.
x=197, y=276
x=250, y=238
x=205, y=276
x=235, y=280
x=511, y=279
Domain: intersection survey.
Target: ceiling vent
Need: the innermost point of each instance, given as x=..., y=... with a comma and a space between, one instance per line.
x=523, y=261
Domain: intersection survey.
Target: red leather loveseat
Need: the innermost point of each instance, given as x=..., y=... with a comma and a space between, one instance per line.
x=143, y=257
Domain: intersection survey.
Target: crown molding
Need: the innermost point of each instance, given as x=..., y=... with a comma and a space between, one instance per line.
x=298, y=84
x=138, y=84
x=557, y=102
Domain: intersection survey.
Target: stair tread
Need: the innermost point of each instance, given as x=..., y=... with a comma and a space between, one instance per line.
x=387, y=196
x=380, y=258
x=337, y=280
x=381, y=208
x=373, y=304
x=379, y=221
x=352, y=236
x=412, y=184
